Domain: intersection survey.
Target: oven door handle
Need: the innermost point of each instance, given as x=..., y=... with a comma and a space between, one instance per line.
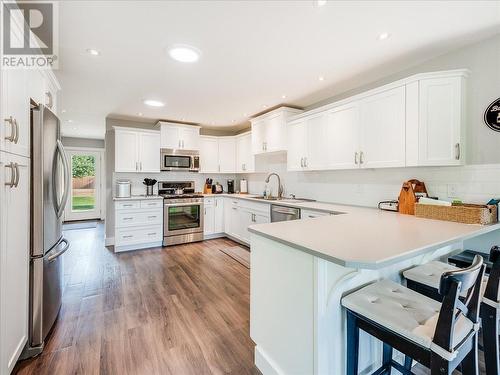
x=183, y=204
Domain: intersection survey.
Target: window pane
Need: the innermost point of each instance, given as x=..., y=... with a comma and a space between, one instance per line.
x=83, y=184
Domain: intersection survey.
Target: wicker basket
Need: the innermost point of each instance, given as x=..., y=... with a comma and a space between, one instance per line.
x=460, y=213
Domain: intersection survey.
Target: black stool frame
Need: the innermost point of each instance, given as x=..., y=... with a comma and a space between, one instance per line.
x=451, y=285
x=490, y=315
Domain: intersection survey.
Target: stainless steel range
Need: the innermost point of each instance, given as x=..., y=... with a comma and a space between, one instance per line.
x=182, y=212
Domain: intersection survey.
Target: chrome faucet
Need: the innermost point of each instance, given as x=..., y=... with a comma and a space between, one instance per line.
x=280, y=187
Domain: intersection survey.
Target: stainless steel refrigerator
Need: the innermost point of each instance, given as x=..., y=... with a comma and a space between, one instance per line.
x=50, y=179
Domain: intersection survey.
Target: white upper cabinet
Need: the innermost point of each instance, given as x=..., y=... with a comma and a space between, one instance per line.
x=441, y=121
x=137, y=150
x=217, y=154
x=227, y=154
x=149, y=152
x=178, y=136
x=269, y=130
x=382, y=120
x=416, y=121
x=297, y=145
x=342, y=135
x=209, y=154
x=245, y=162
x=317, y=142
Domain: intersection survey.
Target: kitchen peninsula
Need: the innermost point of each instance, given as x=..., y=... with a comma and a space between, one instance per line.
x=301, y=269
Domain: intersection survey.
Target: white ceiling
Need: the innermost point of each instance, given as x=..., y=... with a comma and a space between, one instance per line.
x=253, y=52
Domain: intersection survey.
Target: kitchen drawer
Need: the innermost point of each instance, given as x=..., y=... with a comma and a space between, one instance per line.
x=310, y=214
x=127, y=205
x=133, y=218
x=131, y=236
x=209, y=201
x=152, y=204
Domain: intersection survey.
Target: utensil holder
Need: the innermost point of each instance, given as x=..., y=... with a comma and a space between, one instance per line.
x=149, y=190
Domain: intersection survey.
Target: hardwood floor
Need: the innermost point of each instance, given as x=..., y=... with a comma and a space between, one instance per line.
x=182, y=310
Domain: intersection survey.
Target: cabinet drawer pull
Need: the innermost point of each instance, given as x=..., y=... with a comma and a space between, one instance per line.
x=128, y=236
x=128, y=218
x=152, y=234
x=152, y=217
x=14, y=130
x=127, y=205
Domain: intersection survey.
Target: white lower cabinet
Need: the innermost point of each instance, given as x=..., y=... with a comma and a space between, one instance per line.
x=138, y=224
x=311, y=214
x=241, y=214
x=213, y=215
x=14, y=257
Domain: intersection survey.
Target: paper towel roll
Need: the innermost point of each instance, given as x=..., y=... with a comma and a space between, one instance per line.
x=243, y=186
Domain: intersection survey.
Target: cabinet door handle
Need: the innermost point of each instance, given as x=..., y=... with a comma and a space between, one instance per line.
x=140, y=165
x=361, y=157
x=356, y=158
x=216, y=203
x=12, y=181
x=16, y=183
x=129, y=236
x=12, y=136
x=50, y=103
x=17, y=131
x=305, y=162
x=457, y=151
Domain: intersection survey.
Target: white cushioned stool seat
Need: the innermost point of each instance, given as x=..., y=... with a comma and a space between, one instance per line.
x=403, y=311
x=430, y=274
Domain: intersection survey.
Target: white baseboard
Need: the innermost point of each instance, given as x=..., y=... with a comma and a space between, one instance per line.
x=265, y=364
x=119, y=249
x=213, y=236
x=109, y=241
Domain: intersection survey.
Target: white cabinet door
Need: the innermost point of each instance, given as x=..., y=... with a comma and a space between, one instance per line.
x=297, y=145
x=209, y=155
x=342, y=136
x=170, y=136
x=258, y=137
x=208, y=219
x=245, y=162
x=261, y=218
x=440, y=121
x=219, y=215
x=15, y=112
x=14, y=259
x=246, y=219
x=126, y=151
x=235, y=224
x=276, y=130
x=190, y=138
x=149, y=152
x=227, y=155
x=383, y=137
x=317, y=145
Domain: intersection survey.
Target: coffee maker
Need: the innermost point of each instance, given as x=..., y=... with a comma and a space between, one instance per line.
x=230, y=186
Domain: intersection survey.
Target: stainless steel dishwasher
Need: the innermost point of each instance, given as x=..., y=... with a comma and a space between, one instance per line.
x=283, y=213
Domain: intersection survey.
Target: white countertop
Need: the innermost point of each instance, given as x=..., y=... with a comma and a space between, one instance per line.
x=138, y=197
x=366, y=237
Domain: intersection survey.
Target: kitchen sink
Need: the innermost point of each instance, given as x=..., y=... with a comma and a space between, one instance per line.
x=285, y=200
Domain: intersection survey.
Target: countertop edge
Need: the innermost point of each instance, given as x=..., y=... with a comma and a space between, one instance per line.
x=374, y=265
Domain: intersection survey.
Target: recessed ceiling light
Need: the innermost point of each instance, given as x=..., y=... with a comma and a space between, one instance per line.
x=244, y=115
x=140, y=114
x=383, y=36
x=321, y=78
x=283, y=96
x=93, y=52
x=264, y=106
x=153, y=103
x=320, y=3
x=233, y=121
x=184, y=53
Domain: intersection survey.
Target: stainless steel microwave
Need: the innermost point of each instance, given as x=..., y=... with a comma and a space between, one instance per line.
x=179, y=160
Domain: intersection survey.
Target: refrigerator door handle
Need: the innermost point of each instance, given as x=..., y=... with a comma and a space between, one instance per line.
x=53, y=257
x=60, y=206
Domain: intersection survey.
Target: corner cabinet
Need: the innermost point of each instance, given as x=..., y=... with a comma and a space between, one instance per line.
x=269, y=130
x=179, y=136
x=137, y=150
x=418, y=121
x=14, y=257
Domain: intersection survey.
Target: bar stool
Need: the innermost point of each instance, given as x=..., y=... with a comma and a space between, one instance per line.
x=425, y=280
x=439, y=336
